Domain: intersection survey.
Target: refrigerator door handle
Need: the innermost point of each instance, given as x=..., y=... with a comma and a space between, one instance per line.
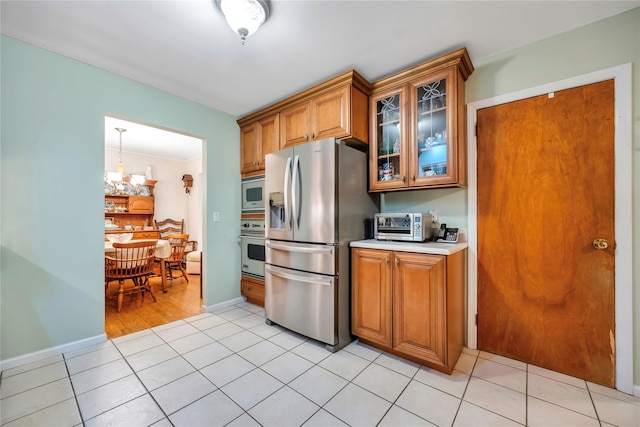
x=287, y=184
x=291, y=248
x=298, y=278
x=295, y=196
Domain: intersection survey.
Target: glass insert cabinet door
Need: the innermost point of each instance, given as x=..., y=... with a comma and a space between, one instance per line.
x=389, y=169
x=431, y=142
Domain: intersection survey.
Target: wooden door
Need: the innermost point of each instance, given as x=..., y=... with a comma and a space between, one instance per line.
x=371, y=295
x=419, y=313
x=330, y=114
x=294, y=125
x=545, y=193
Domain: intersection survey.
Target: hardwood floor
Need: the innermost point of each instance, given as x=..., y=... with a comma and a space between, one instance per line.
x=181, y=300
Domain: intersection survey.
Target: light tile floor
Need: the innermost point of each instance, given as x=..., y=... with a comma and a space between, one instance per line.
x=230, y=368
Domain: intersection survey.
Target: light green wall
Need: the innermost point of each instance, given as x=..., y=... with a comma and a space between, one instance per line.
x=52, y=165
x=594, y=47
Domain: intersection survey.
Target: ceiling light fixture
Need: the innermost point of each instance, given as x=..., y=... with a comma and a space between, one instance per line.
x=120, y=165
x=244, y=16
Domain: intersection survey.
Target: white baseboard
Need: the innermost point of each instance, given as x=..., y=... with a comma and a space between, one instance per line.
x=65, y=348
x=224, y=304
x=636, y=390
x=50, y=352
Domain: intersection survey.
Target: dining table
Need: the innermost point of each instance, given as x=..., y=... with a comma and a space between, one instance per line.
x=163, y=250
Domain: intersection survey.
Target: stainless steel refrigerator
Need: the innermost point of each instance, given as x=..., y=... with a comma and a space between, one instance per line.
x=317, y=203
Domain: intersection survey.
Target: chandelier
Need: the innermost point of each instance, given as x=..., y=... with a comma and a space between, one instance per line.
x=120, y=165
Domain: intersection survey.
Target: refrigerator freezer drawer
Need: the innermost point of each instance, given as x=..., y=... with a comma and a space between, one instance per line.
x=315, y=258
x=301, y=302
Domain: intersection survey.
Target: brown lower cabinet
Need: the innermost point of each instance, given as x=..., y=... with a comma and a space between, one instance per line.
x=410, y=304
x=252, y=289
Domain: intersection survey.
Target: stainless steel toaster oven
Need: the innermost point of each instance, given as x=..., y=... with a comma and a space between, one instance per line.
x=411, y=227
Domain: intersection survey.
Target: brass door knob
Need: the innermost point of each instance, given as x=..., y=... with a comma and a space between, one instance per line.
x=600, y=244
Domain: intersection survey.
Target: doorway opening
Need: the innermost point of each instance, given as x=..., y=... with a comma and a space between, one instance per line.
x=145, y=170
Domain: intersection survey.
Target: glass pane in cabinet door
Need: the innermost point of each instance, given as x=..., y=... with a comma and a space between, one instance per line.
x=432, y=129
x=388, y=138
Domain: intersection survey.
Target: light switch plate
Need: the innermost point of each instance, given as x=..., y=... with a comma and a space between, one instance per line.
x=216, y=217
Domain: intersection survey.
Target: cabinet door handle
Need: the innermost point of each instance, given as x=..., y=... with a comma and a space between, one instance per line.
x=397, y=262
x=387, y=259
x=413, y=178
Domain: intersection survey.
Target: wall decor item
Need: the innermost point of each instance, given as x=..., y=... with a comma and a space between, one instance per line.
x=187, y=181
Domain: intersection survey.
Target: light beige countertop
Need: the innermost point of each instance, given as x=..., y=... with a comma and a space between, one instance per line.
x=424, y=248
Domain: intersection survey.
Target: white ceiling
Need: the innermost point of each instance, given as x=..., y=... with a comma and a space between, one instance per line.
x=186, y=48
x=150, y=141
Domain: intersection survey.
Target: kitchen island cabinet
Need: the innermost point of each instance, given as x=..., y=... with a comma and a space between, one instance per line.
x=410, y=304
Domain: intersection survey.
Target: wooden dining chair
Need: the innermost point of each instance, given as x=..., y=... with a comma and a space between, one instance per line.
x=130, y=261
x=169, y=226
x=173, y=226
x=178, y=244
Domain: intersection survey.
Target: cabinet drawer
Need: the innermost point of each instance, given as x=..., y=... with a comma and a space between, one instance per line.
x=253, y=290
x=146, y=235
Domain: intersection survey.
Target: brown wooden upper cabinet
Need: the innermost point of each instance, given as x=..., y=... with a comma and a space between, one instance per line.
x=141, y=204
x=418, y=126
x=332, y=114
x=336, y=108
x=258, y=139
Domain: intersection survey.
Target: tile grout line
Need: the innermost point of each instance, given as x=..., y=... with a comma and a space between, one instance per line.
x=315, y=364
x=141, y=382
x=233, y=352
x=412, y=378
x=465, y=387
x=320, y=407
x=526, y=396
x=595, y=408
x=68, y=377
x=73, y=389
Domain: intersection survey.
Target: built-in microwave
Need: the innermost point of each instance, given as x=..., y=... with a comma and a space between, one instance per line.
x=253, y=194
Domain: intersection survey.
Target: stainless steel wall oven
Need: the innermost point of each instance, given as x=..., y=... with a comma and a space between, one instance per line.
x=252, y=247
